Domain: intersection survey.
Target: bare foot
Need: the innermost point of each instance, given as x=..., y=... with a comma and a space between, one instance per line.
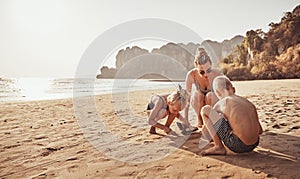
x=214, y=151
x=203, y=142
x=152, y=130
x=189, y=128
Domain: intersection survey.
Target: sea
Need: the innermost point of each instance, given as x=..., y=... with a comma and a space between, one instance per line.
x=34, y=89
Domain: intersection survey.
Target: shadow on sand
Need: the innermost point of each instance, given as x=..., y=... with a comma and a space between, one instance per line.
x=277, y=155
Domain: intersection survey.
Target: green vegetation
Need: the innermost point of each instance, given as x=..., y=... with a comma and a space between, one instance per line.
x=271, y=55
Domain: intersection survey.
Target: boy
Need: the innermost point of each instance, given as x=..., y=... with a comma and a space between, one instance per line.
x=233, y=120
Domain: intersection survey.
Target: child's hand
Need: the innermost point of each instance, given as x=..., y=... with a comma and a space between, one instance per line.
x=167, y=130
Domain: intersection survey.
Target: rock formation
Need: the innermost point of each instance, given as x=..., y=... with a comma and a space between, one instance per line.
x=169, y=60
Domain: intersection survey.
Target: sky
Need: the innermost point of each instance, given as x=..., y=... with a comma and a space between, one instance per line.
x=47, y=38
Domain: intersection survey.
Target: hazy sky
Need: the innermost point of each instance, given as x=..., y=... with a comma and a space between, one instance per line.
x=46, y=38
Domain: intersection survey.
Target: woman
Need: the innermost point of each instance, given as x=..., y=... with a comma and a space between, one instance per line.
x=201, y=76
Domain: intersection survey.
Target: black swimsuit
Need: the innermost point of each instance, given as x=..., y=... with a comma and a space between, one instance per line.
x=203, y=91
x=151, y=105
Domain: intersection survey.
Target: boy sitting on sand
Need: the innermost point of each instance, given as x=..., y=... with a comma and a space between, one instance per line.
x=233, y=118
x=169, y=105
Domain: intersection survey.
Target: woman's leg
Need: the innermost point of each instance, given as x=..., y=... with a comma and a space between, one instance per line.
x=197, y=103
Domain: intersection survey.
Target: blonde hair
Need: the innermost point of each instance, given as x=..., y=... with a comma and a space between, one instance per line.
x=179, y=95
x=222, y=83
x=201, y=57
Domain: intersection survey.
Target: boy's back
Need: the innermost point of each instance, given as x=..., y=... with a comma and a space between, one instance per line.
x=242, y=117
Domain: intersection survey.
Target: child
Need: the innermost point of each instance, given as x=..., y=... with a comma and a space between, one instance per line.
x=169, y=105
x=233, y=121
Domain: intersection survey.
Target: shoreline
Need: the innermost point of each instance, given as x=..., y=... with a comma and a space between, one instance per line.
x=45, y=138
x=153, y=80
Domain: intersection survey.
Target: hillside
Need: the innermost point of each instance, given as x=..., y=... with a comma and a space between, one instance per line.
x=271, y=55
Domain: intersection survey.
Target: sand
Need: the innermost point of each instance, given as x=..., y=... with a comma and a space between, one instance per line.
x=107, y=137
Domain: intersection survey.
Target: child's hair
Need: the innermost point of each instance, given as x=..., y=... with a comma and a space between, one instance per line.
x=222, y=83
x=179, y=95
x=202, y=57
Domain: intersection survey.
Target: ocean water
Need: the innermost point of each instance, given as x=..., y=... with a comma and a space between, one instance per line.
x=32, y=89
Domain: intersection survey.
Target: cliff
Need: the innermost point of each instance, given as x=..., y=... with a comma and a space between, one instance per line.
x=176, y=56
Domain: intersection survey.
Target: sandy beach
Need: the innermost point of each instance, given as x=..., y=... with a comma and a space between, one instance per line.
x=107, y=137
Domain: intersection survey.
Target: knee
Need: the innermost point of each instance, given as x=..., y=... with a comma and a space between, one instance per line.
x=197, y=98
x=161, y=114
x=152, y=122
x=205, y=110
x=208, y=98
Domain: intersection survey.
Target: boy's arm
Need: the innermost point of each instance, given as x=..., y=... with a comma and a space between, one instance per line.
x=220, y=106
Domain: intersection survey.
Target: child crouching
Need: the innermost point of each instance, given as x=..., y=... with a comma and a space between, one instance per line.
x=168, y=105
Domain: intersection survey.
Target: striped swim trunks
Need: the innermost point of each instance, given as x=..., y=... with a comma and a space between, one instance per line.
x=230, y=140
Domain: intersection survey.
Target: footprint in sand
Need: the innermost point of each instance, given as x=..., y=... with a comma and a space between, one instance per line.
x=148, y=141
x=276, y=126
x=72, y=159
